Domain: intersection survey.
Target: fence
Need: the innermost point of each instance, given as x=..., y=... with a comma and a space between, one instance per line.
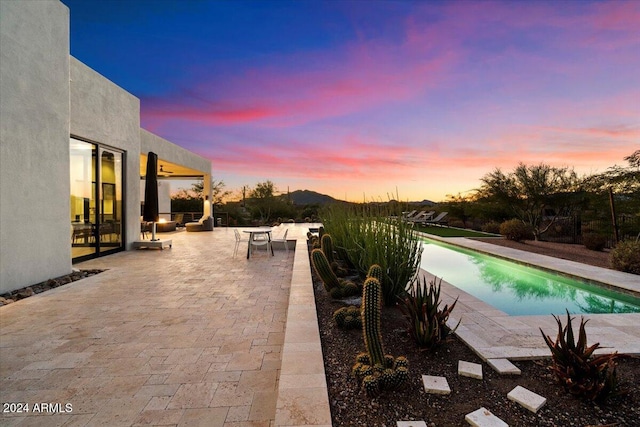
x=572, y=229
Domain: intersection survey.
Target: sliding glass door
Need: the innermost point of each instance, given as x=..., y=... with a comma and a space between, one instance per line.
x=96, y=200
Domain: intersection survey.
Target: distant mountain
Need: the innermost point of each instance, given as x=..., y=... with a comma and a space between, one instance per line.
x=425, y=202
x=308, y=197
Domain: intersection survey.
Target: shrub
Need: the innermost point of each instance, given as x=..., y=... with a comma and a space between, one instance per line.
x=491, y=227
x=516, y=230
x=594, y=242
x=576, y=368
x=426, y=323
x=626, y=256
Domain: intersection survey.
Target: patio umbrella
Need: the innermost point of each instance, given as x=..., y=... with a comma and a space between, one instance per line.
x=151, y=193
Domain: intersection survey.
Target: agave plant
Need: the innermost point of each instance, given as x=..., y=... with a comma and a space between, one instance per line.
x=577, y=368
x=427, y=323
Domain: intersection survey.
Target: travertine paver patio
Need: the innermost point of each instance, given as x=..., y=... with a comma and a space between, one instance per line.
x=184, y=336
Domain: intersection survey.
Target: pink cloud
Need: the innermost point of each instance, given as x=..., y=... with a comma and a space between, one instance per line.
x=355, y=158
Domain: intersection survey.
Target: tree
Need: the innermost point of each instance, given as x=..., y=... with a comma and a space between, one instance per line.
x=624, y=185
x=622, y=180
x=537, y=195
x=262, y=200
x=217, y=190
x=266, y=205
x=459, y=206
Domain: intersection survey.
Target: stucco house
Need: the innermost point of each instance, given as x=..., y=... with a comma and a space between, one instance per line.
x=72, y=153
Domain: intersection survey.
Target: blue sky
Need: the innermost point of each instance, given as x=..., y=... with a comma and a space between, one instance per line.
x=365, y=99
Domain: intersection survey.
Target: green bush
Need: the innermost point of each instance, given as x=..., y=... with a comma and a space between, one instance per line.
x=516, y=230
x=594, y=242
x=491, y=227
x=626, y=256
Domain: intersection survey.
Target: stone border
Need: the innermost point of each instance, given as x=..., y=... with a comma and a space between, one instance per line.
x=303, y=399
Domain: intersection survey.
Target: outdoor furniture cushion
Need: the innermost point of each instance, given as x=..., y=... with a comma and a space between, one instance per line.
x=204, y=224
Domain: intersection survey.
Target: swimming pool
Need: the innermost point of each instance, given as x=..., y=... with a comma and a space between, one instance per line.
x=517, y=289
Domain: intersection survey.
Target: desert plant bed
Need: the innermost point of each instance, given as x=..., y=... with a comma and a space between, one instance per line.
x=350, y=405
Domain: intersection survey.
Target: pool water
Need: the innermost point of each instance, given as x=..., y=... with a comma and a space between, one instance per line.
x=518, y=289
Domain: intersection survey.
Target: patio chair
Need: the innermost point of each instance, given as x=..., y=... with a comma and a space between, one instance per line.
x=283, y=240
x=239, y=240
x=260, y=240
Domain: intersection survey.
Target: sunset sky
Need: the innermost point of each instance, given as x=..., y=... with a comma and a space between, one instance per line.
x=361, y=99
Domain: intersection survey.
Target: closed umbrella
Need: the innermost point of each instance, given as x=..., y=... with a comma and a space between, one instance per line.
x=151, y=193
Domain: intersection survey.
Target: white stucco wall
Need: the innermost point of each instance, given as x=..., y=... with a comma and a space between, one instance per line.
x=34, y=142
x=105, y=113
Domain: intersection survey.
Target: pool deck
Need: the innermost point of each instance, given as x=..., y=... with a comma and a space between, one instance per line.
x=195, y=336
x=493, y=334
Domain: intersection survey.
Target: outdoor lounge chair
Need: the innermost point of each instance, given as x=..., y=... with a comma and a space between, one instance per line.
x=439, y=220
x=407, y=215
x=422, y=217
